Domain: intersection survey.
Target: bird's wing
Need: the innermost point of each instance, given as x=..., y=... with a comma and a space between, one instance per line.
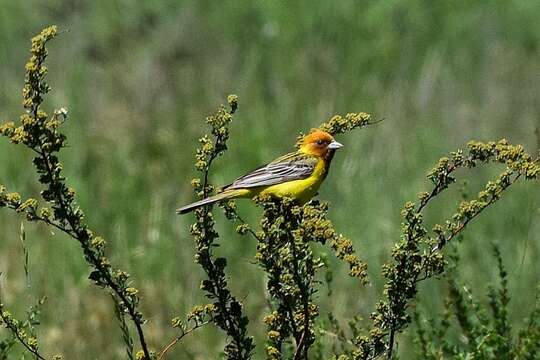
x=293, y=166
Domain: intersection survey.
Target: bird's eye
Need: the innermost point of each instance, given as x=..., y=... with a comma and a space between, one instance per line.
x=320, y=142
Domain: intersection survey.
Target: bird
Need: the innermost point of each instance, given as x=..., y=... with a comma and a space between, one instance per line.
x=297, y=175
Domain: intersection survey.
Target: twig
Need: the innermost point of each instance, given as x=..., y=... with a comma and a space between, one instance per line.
x=299, y=347
x=178, y=338
x=250, y=230
x=21, y=340
x=126, y=336
x=466, y=222
x=9, y=324
x=22, y=238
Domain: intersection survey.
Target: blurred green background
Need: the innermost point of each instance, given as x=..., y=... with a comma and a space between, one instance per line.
x=138, y=79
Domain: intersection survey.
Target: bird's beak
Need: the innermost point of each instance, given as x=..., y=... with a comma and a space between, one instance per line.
x=334, y=145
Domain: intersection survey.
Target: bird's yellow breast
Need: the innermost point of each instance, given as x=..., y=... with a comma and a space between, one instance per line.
x=301, y=190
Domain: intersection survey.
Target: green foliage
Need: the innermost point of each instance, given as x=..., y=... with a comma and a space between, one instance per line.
x=293, y=232
x=484, y=330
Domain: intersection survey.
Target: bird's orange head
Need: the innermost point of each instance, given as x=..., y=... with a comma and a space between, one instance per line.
x=319, y=143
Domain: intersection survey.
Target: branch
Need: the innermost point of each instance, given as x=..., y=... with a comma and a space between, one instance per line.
x=411, y=265
x=76, y=231
x=229, y=315
x=40, y=133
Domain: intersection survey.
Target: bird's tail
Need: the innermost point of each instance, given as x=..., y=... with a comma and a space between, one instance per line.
x=225, y=195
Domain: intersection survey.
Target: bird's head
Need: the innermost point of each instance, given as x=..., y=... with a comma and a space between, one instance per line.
x=319, y=143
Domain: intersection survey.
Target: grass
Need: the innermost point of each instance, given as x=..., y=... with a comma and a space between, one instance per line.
x=139, y=80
